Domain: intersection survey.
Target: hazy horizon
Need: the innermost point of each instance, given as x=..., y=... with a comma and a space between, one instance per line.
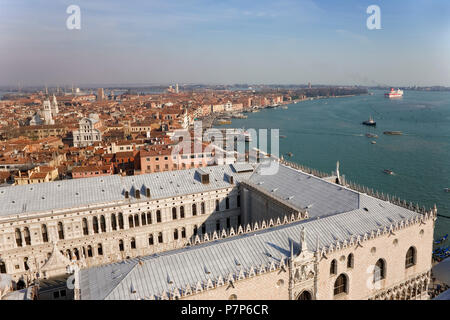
x=223, y=43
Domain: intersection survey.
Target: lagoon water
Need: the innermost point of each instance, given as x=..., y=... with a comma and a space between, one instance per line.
x=323, y=131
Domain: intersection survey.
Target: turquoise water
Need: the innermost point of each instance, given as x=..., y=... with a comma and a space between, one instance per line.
x=321, y=132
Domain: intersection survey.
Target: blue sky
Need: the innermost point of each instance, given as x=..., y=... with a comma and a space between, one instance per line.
x=199, y=41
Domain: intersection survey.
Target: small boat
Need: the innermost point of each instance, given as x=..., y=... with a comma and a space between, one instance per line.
x=290, y=154
x=371, y=135
x=393, y=133
x=447, y=189
x=369, y=122
x=373, y=142
x=387, y=171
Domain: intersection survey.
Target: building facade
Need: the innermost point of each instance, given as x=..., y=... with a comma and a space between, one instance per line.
x=258, y=236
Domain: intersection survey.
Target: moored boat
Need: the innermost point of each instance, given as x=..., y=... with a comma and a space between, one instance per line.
x=387, y=171
x=394, y=93
x=393, y=133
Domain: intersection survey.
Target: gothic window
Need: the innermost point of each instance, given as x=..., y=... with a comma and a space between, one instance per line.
x=350, y=260
x=174, y=213
x=305, y=295
x=103, y=223
x=341, y=284
x=85, y=227
x=379, y=272
x=95, y=224
x=69, y=254
x=410, y=257
x=76, y=253
x=136, y=220
x=175, y=234
x=333, y=267
x=227, y=203
x=60, y=231
x=44, y=233
x=194, y=209
x=203, y=207
x=195, y=231
x=27, y=236
x=130, y=221
x=158, y=215
x=121, y=248
x=18, y=237
x=113, y=222
x=150, y=240
x=25, y=264
x=89, y=252
x=143, y=218
x=120, y=220
x=133, y=243
x=183, y=233
x=100, y=249
x=2, y=267
x=217, y=205
x=182, y=212
x=160, y=237
x=149, y=218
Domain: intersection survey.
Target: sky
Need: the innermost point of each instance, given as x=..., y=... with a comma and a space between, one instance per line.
x=225, y=42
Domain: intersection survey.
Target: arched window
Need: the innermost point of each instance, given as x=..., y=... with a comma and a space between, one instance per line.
x=100, y=249
x=143, y=218
x=350, y=260
x=85, y=227
x=183, y=233
x=95, y=224
x=333, y=267
x=158, y=216
x=25, y=264
x=194, y=209
x=113, y=222
x=379, y=272
x=120, y=220
x=136, y=220
x=410, y=257
x=133, y=243
x=305, y=295
x=69, y=254
x=227, y=203
x=203, y=208
x=217, y=205
x=174, y=213
x=2, y=267
x=76, y=253
x=27, y=236
x=130, y=221
x=341, y=285
x=182, y=212
x=44, y=233
x=18, y=237
x=150, y=240
x=175, y=234
x=60, y=231
x=160, y=237
x=195, y=231
x=121, y=248
x=89, y=252
x=103, y=223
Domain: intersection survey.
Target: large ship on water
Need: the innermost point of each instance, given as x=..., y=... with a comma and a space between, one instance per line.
x=394, y=93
